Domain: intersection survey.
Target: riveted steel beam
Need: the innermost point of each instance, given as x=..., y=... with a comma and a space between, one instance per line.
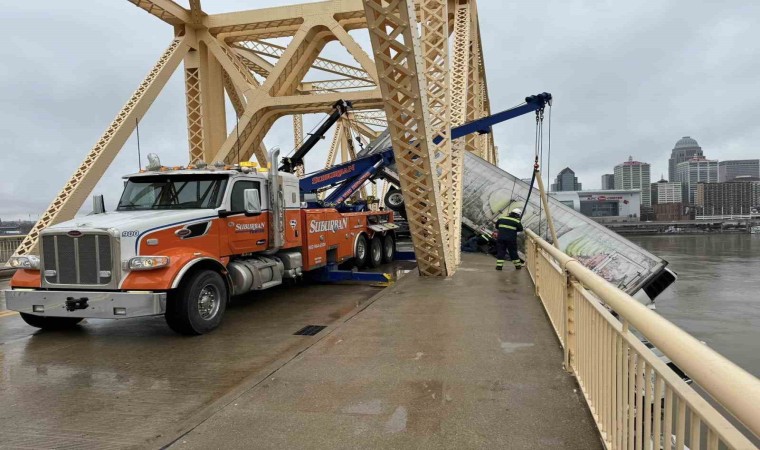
x=398, y=57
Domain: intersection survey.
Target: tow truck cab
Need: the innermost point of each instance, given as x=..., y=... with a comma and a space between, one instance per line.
x=182, y=241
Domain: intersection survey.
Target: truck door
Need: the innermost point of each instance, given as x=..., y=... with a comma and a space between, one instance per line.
x=247, y=234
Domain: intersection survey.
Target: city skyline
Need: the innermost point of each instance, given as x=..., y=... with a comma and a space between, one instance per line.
x=746, y=160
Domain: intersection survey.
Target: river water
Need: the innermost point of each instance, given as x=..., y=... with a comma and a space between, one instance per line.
x=717, y=295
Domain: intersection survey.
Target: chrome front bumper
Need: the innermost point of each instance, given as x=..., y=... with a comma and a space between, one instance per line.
x=88, y=305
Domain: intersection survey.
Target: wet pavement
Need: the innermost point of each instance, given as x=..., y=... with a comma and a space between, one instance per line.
x=467, y=362
x=119, y=384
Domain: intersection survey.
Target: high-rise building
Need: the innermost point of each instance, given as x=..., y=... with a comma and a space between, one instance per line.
x=608, y=181
x=665, y=191
x=634, y=175
x=755, y=183
x=566, y=181
x=685, y=149
x=696, y=170
x=730, y=170
x=732, y=197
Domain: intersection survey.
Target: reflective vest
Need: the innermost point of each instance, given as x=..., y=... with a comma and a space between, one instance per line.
x=508, y=227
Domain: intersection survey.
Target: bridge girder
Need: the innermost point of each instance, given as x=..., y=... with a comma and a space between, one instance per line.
x=401, y=66
x=419, y=92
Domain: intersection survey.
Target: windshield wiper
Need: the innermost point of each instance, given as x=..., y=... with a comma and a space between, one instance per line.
x=120, y=207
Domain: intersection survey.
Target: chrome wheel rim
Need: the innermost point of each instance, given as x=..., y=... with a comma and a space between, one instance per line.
x=208, y=302
x=377, y=253
x=361, y=249
x=396, y=199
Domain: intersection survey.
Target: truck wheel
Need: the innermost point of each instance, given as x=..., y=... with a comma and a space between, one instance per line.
x=375, y=251
x=361, y=251
x=198, y=305
x=50, y=323
x=389, y=248
x=394, y=199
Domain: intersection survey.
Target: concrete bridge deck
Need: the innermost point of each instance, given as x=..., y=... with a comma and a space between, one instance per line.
x=467, y=362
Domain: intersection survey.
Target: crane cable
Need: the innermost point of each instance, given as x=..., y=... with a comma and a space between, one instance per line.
x=353, y=130
x=538, y=155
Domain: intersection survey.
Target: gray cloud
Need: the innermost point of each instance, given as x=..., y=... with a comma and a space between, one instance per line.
x=628, y=79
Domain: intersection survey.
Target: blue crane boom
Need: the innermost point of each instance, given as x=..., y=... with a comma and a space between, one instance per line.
x=349, y=177
x=484, y=124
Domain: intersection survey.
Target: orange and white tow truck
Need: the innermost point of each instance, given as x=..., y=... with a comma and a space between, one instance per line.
x=183, y=241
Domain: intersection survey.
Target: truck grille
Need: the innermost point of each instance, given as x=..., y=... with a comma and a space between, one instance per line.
x=83, y=260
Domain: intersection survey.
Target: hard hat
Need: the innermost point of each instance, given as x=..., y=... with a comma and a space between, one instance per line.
x=517, y=211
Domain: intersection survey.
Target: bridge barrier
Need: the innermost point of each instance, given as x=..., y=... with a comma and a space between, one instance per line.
x=8, y=246
x=611, y=363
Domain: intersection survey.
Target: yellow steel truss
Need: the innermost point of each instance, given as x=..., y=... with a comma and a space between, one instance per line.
x=413, y=86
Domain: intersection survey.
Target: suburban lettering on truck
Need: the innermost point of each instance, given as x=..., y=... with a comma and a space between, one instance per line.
x=249, y=227
x=134, y=264
x=318, y=226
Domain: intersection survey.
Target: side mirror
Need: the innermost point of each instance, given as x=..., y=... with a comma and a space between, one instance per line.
x=252, y=202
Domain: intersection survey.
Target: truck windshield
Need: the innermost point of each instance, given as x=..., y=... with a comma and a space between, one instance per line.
x=173, y=192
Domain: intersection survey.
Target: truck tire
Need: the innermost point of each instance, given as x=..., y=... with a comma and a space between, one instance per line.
x=394, y=200
x=375, y=251
x=198, y=306
x=50, y=323
x=389, y=248
x=361, y=251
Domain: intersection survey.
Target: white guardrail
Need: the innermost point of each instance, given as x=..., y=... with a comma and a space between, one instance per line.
x=611, y=364
x=8, y=246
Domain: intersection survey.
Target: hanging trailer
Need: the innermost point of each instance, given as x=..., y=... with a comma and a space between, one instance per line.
x=488, y=192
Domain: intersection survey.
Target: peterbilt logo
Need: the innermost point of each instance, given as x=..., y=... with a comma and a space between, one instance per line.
x=249, y=227
x=318, y=226
x=74, y=233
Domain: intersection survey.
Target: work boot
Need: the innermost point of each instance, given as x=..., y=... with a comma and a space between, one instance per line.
x=499, y=268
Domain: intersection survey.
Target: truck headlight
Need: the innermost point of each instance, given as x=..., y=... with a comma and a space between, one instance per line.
x=25, y=262
x=147, y=262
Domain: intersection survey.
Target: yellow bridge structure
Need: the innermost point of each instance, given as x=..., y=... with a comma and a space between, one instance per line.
x=424, y=74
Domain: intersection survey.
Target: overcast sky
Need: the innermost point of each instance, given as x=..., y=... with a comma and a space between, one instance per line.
x=628, y=78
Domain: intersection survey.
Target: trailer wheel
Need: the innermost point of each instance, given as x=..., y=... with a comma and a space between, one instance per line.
x=375, y=251
x=198, y=306
x=389, y=248
x=50, y=323
x=361, y=251
x=394, y=199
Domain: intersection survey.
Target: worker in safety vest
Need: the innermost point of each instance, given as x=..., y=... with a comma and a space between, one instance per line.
x=507, y=227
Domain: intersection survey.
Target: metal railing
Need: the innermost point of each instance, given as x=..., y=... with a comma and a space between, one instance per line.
x=638, y=401
x=8, y=246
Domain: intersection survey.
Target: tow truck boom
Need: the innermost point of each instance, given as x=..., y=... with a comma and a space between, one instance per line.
x=289, y=164
x=352, y=175
x=483, y=125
